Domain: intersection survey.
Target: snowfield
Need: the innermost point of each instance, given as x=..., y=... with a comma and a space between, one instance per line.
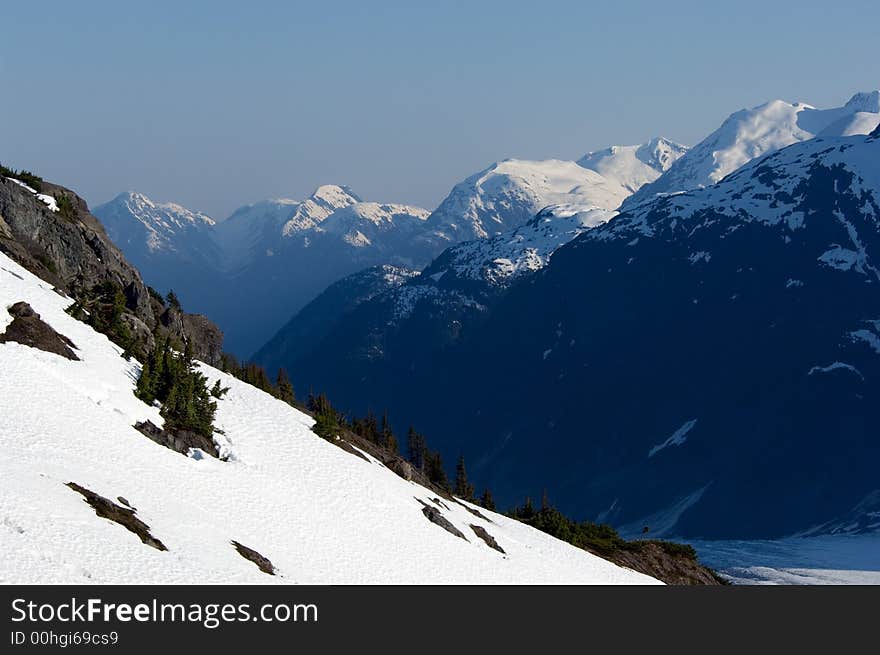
x=750, y=133
x=321, y=515
x=825, y=559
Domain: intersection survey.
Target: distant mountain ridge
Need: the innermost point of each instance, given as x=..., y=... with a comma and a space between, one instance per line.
x=258, y=267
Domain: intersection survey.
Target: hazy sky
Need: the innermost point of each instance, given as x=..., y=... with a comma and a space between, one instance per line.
x=215, y=104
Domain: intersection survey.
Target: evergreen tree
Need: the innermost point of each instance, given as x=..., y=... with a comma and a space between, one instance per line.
x=526, y=512
x=173, y=300
x=217, y=391
x=386, y=434
x=327, y=421
x=435, y=471
x=415, y=446
x=171, y=379
x=326, y=427
x=487, y=501
x=285, y=388
x=462, y=488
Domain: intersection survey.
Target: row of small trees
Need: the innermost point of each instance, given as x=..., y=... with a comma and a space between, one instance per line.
x=329, y=422
x=103, y=308
x=256, y=376
x=33, y=181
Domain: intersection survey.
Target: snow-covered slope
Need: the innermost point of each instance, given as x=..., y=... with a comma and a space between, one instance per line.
x=750, y=133
x=241, y=236
x=321, y=204
x=509, y=193
x=365, y=223
x=500, y=260
x=320, y=514
x=510, y=217
x=634, y=166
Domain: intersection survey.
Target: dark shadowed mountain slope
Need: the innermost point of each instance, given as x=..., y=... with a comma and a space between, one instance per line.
x=320, y=316
x=705, y=364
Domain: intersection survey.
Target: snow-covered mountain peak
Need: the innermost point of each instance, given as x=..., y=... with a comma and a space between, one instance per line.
x=158, y=214
x=867, y=101
x=334, y=195
x=509, y=193
x=660, y=153
x=132, y=217
x=634, y=166
x=750, y=133
x=776, y=190
x=361, y=223
x=325, y=200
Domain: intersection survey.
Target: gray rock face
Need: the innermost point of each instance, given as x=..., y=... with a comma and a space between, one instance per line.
x=74, y=253
x=206, y=337
x=402, y=468
x=180, y=441
x=436, y=517
x=481, y=532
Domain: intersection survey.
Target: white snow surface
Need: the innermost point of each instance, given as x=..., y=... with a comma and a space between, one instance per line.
x=362, y=223
x=827, y=559
x=750, y=133
x=507, y=194
x=634, y=166
x=507, y=256
x=511, y=217
x=677, y=439
x=321, y=515
x=743, y=196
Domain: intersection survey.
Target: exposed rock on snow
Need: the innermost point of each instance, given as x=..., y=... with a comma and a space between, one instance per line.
x=124, y=516
x=180, y=441
x=436, y=517
x=481, y=532
x=251, y=555
x=28, y=329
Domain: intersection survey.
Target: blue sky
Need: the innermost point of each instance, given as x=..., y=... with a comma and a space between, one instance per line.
x=217, y=104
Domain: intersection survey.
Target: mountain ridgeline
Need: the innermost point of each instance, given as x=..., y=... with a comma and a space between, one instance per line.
x=704, y=365
x=256, y=269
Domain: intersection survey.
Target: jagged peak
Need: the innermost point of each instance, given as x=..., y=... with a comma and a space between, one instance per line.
x=868, y=101
x=146, y=209
x=336, y=195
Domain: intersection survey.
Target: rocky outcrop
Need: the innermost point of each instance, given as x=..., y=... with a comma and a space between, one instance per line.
x=71, y=250
x=481, y=532
x=29, y=329
x=124, y=516
x=402, y=468
x=206, y=337
x=251, y=555
x=180, y=441
x=670, y=562
x=436, y=517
